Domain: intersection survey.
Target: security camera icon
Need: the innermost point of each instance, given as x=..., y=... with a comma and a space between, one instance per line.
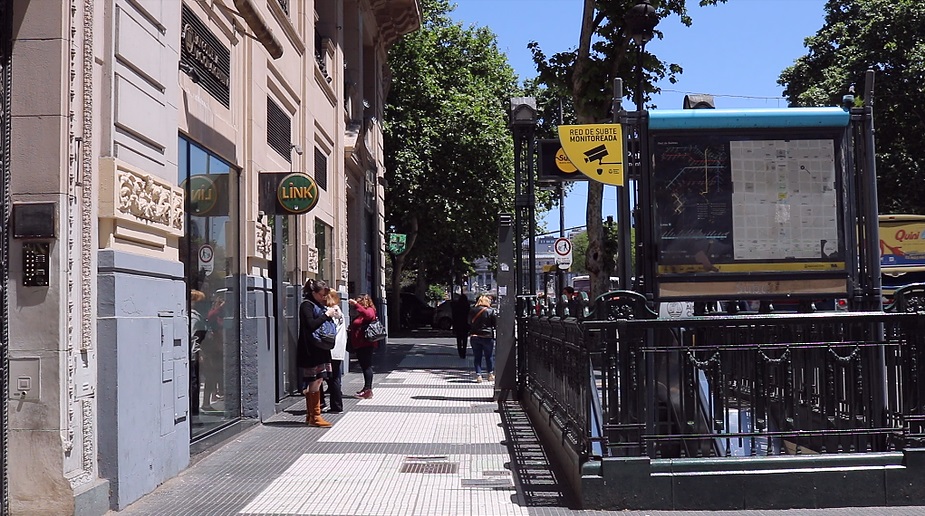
x=596, y=154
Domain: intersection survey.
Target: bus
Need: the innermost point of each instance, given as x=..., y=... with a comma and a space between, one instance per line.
x=583, y=283
x=902, y=252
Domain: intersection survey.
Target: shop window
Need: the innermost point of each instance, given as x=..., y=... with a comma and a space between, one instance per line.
x=279, y=130
x=208, y=251
x=321, y=169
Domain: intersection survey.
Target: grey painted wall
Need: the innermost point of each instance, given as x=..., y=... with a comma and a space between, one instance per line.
x=258, y=350
x=143, y=337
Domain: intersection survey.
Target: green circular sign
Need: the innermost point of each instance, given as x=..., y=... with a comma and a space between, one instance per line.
x=297, y=193
x=203, y=195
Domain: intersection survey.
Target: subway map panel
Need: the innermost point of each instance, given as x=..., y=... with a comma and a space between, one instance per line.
x=784, y=199
x=726, y=203
x=693, y=198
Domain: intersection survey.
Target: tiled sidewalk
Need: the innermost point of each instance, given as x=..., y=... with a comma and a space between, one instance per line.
x=431, y=442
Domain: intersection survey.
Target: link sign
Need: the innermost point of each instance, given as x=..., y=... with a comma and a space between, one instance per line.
x=596, y=150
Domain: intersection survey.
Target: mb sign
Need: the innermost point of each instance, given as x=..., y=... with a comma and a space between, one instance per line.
x=596, y=150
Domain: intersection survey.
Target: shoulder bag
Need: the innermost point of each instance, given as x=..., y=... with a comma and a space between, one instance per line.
x=324, y=336
x=375, y=331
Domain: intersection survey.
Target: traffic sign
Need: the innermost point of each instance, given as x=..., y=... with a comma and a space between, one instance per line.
x=206, y=255
x=563, y=251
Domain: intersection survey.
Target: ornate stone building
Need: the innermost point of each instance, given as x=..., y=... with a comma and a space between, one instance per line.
x=152, y=278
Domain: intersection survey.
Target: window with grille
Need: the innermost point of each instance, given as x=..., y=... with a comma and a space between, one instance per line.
x=204, y=58
x=279, y=130
x=321, y=169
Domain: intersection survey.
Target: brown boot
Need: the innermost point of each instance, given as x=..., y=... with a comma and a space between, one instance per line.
x=308, y=407
x=313, y=412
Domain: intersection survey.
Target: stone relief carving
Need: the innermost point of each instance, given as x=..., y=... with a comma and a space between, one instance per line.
x=312, y=260
x=148, y=199
x=263, y=236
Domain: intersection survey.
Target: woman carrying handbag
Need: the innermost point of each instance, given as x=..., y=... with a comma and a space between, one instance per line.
x=363, y=347
x=313, y=359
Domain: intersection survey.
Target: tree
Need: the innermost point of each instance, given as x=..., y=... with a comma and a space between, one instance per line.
x=610, y=246
x=586, y=75
x=887, y=36
x=449, y=153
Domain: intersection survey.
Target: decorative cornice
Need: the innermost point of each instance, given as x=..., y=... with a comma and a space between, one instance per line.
x=395, y=19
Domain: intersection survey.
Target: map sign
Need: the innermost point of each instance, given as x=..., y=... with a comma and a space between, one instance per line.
x=730, y=204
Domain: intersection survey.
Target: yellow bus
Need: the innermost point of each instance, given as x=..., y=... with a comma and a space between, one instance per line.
x=902, y=252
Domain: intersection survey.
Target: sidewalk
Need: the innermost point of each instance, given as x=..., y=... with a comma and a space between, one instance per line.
x=431, y=442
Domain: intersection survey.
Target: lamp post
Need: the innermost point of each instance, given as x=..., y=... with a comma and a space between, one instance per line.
x=523, y=127
x=640, y=22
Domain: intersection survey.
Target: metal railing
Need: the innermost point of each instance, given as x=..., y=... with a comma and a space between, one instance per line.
x=726, y=385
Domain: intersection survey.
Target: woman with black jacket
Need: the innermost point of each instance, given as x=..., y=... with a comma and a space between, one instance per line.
x=313, y=361
x=482, y=323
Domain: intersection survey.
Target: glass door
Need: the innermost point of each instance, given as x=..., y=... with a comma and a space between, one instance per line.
x=209, y=253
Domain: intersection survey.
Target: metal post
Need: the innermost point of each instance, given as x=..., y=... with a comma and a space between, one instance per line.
x=505, y=348
x=625, y=259
x=871, y=220
x=531, y=205
x=560, y=273
x=523, y=126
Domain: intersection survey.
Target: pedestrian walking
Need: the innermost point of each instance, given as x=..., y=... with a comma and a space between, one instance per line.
x=482, y=323
x=460, y=310
x=313, y=360
x=365, y=314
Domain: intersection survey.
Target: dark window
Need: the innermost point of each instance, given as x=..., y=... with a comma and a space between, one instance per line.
x=321, y=169
x=279, y=127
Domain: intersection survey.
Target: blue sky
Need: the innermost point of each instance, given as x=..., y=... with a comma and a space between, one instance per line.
x=734, y=51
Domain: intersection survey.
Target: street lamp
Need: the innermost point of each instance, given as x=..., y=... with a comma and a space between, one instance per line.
x=523, y=126
x=640, y=23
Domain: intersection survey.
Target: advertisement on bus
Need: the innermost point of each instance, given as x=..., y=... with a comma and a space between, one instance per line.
x=902, y=252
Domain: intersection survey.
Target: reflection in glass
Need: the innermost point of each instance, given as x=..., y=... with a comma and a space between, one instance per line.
x=208, y=253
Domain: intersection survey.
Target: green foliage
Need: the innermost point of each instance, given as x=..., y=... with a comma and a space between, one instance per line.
x=586, y=74
x=611, y=249
x=887, y=36
x=579, y=251
x=435, y=293
x=449, y=153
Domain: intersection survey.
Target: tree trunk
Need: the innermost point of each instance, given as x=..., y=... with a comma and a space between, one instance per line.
x=398, y=266
x=585, y=114
x=594, y=260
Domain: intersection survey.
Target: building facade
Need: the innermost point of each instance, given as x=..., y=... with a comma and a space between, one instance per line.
x=152, y=278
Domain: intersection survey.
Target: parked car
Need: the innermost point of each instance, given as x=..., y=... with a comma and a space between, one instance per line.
x=414, y=311
x=443, y=316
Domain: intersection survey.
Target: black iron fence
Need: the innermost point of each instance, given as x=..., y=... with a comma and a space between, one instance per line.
x=726, y=385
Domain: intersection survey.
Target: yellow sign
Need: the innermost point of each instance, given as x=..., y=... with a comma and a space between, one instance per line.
x=596, y=150
x=563, y=163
